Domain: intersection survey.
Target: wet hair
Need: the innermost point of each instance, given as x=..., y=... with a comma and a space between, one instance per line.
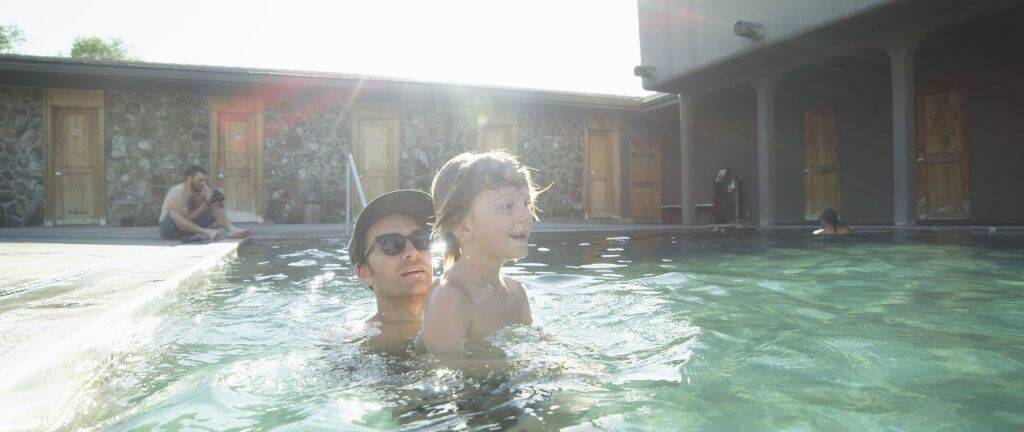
x=464, y=177
x=829, y=216
x=193, y=169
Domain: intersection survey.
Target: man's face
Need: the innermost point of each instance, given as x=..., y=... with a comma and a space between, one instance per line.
x=197, y=182
x=407, y=274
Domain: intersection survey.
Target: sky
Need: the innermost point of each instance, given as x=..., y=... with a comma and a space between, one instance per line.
x=570, y=45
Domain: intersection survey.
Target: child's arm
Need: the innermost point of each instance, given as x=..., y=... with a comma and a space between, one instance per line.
x=516, y=290
x=446, y=322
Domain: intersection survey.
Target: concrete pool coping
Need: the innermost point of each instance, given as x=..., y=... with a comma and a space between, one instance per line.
x=263, y=231
x=66, y=305
x=75, y=234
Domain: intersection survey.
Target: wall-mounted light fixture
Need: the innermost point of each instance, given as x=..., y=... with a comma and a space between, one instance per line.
x=645, y=72
x=747, y=29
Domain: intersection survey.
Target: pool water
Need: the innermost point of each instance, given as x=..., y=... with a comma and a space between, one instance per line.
x=722, y=332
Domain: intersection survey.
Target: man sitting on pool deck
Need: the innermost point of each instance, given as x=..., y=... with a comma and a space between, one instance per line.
x=390, y=251
x=190, y=209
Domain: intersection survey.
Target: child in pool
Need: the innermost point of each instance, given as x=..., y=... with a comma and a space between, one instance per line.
x=484, y=205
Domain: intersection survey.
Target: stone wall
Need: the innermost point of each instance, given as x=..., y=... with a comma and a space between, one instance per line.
x=551, y=142
x=305, y=143
x=306, y=140
x=151, y=139
x=22, y=166
x=547, y=140
x=431, y=134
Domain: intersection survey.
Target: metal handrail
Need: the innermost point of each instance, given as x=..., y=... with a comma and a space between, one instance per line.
x=351, y=173
x=359, y=183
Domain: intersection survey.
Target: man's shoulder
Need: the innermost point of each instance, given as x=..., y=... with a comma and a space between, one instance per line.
x=176, y=189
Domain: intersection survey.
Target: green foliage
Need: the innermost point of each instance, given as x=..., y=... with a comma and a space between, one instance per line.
x=10, y=38
x=95, y=48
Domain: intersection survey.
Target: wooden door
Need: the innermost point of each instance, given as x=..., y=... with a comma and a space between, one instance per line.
x=237, y=165
x=75, y=164
x=498, y=134
x=375, y=153
x=943, y=162
x=497, y=138
x=601, y=187
x=821, y=162
x=645, y=179
x=237, y=157
x=78, y=178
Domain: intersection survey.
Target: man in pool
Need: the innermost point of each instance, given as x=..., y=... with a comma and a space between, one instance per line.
x=390, y=252
x=190, y=209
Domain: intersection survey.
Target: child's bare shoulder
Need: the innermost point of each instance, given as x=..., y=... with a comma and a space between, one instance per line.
x=514, y=287
x=449, y=291
x=518, y=293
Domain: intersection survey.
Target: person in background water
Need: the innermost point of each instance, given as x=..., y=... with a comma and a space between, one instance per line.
x=829, y=221
x=485, y=209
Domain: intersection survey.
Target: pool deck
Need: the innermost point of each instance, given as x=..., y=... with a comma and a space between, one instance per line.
x=67, y=304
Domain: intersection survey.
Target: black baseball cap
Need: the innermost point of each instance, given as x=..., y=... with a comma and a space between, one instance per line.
x=416, y=204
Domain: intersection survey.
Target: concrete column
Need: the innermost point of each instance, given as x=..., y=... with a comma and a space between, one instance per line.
x=904, y=200
x=687, y=119
x=765, y=89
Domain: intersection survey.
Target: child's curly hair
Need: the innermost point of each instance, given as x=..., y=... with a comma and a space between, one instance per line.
x=461, y=179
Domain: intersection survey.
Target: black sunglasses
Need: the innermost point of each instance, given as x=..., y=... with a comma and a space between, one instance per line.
x=394, y=243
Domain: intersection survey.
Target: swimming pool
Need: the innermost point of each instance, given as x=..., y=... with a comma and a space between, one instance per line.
x=763, y=331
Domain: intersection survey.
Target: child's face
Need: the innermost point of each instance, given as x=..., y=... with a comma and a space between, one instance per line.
x=501, y=222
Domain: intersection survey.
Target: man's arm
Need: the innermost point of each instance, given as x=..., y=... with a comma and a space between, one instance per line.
x=202, y=207
x=178, y=212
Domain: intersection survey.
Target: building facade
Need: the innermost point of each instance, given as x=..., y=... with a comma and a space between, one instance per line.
x=893, y=112
x=85, y=142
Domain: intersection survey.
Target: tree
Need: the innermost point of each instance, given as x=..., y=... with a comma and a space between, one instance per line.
x=95, y=48
x=10, y=38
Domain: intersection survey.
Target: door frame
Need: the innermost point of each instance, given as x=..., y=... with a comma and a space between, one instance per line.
x=803, y=156
x=607, y=124
x=656, y=145
x=242, y=105
x=378, y=112
x=919, y=136
x=73, y=98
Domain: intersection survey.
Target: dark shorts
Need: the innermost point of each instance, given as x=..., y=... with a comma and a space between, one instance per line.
x=170, y=231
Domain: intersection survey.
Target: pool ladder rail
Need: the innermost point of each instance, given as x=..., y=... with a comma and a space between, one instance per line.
x=352, y=176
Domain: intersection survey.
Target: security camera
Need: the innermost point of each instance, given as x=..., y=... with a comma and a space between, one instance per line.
x=645, y=72
x=749, y=30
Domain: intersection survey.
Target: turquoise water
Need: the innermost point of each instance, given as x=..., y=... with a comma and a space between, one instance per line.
x=696, y=332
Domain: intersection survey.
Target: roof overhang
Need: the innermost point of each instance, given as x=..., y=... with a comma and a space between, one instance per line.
x=15, y=69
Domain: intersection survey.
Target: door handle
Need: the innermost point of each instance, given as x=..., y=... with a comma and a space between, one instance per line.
x=57, y=174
